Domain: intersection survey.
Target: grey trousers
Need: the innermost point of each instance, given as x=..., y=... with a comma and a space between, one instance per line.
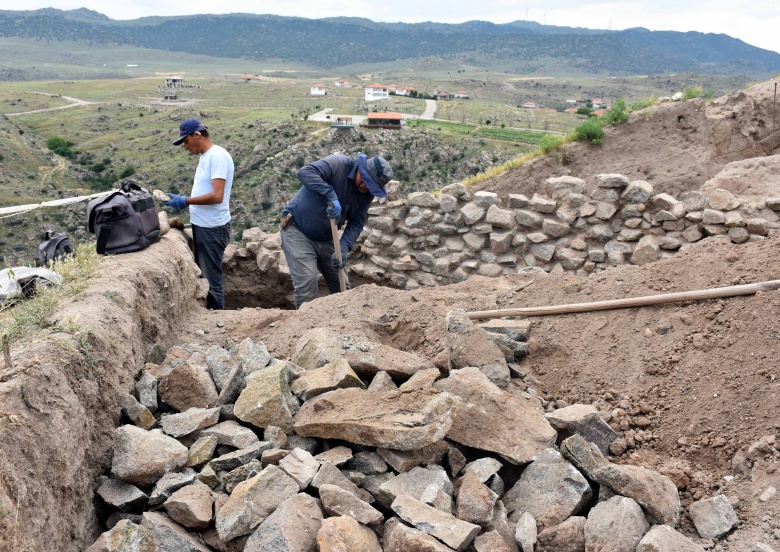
x=305, y=259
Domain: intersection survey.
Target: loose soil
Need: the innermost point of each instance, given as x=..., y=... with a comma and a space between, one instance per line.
x=706, y=374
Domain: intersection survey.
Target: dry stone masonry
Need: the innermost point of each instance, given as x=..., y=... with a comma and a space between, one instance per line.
x=233, y=450
x=573, y=226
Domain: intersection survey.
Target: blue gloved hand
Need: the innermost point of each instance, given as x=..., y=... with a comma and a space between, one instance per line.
x=334, y=209
x=335, y=260
x=176, y=202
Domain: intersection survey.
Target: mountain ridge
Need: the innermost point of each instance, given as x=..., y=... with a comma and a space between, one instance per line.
x=338, y=41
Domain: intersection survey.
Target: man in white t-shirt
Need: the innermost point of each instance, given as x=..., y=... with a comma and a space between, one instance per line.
x=209, y=204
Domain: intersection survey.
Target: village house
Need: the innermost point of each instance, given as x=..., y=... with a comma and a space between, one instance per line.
x=319, y=90
x=174, y=82
x=443, y=95
x=170, y=96
x=248, y=78
x=376, y=92
x=529, y=105
x=341, y=83
x=461, y=95
x=405, y=91
x=384, y=120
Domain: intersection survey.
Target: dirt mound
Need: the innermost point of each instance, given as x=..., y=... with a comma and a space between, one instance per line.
x=675, y=146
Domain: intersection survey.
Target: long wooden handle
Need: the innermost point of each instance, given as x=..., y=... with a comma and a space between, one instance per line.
x=730, y=291
x=337, y=246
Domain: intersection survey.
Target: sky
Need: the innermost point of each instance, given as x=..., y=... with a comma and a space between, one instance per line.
x=756, y=22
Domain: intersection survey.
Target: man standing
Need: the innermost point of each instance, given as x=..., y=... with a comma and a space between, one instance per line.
x=209, y=205
x=335, y=187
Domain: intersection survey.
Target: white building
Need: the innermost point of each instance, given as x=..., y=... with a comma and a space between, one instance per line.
x=376, y=92
x=319, y=90
x=405, y=91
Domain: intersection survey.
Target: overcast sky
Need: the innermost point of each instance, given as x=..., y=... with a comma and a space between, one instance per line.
x=756, y=22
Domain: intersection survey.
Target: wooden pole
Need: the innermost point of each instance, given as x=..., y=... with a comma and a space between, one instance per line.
x=337, y=246
x=7, y=353
x=730, y=291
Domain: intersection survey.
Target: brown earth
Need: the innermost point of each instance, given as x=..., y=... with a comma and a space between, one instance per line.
x=705, y=374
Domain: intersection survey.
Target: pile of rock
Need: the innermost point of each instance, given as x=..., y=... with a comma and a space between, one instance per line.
x=427, y=240
x=355, y=445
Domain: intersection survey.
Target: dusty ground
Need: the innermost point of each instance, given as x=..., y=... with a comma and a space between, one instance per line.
x=706, y=374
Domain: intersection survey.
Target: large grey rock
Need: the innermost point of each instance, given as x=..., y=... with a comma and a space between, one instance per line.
x=470, y=345
x=526, y=532
x=654, y=492
x=137, y=412
x=168, y=484
x=616, y=525
x=331, y=475
x=492, y=541
x=125, y=536
x=201, y=451
x=501, y=218
x=429, y=485
x=232, y=460
x=292, y=527
x=122, y=496
x=367, y=463
x=637, y=191
x=301, y=466
x=394, y=420
x=583, y=420
x=168, y=535
x=252, y=501
x=344, y=534
x=142, y=457
x=219, y=363
x=191, y=506
x=450, y=530
x=402, y=538
x=483, y=468
x=189, y=421
x=338, y=502
x=662, y=538
x=334, y=375
x=267, y=399
x=147, y=392
x=246, y=471
x=493, y=420
x=475, y=501
x=550, y=488
x=646, y=251
x=230, y=433
x=321, y=346
x=187, y=386
x=713, y=517
x=404, y=460
x=569, y=536
x=584, y=455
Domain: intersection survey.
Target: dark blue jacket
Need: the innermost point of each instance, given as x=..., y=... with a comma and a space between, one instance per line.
x=337, y=173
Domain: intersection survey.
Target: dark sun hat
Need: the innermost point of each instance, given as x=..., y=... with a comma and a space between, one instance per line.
x=190, y=126
x=376, y=173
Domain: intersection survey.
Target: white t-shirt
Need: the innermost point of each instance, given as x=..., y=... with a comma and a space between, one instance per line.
x=215, y=163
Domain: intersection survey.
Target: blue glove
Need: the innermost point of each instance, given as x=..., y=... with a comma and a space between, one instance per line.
x=176, y=202
x=335, y=260
x=334, y=209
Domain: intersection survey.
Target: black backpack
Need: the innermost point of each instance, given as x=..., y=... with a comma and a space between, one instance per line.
x=124, y=220
x=54, y=247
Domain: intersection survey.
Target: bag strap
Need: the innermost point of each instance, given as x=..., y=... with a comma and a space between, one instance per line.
x=102, y=241
x=143, y=204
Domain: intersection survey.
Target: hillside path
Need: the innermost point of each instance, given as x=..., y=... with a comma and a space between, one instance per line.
x=76, y=103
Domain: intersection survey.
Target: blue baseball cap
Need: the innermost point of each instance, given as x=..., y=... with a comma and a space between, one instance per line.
x=190, y=126
x=375, y=172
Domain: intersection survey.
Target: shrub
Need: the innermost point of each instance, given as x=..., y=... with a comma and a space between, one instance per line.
x=617, y=114
x=641, y=104
x=550, y=142
x=128, y=171
x=692, y=92
x=266, y=204
x=60, y=146
x=584, y=111
x=590, y=130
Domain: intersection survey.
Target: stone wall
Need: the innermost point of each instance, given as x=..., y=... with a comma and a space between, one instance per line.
x=424, y=240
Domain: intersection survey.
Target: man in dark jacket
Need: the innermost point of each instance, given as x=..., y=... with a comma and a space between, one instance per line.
x=336, y=187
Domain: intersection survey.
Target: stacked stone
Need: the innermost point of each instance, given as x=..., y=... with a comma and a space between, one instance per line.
x=426, y=241
x=355, y=445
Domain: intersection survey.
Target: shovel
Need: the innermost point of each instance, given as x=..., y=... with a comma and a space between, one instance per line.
x=337, y=246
